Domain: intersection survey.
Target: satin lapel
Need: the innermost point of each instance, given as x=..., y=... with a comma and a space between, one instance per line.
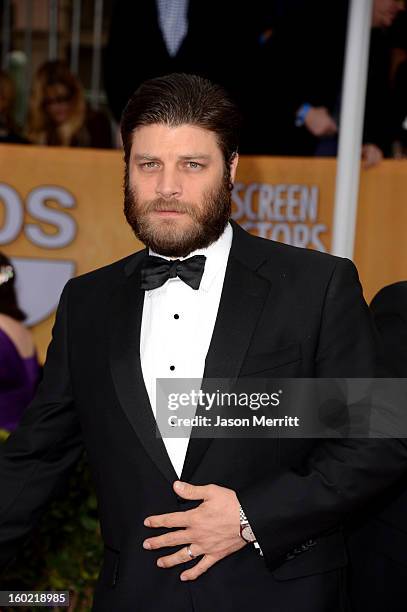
x=243, y=297
x=126, y=310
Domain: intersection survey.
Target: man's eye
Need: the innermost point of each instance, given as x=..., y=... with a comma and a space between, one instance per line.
x=149, y=165
x=194, y=165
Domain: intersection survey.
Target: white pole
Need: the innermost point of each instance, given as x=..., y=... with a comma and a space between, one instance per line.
x=351, y=127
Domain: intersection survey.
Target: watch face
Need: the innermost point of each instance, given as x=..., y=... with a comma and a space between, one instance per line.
x=248, y=534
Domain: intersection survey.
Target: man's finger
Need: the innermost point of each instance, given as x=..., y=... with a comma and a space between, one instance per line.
x=200, y=568
x=190, y=491
x=173, y=538
x=181, y=556
x=171, y=519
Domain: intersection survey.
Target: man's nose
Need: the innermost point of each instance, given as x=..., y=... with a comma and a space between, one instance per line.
x=169, y=184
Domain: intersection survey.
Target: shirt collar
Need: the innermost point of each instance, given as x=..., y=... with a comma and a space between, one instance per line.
x=216, y=255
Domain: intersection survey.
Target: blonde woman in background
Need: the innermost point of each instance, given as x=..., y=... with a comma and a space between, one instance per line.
x=59, y=114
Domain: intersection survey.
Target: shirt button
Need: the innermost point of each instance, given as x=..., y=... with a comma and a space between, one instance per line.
x=172, y=368
x=176, y=316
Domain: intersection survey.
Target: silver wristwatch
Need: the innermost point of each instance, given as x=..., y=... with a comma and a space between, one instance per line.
x=246, y=531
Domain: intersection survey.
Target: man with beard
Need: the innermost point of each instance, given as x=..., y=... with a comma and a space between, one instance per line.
x=204, y=300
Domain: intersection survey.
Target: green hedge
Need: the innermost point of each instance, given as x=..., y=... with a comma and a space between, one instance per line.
x=65, y=550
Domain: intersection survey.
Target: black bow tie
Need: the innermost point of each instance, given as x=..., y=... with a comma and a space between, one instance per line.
x=155, y=271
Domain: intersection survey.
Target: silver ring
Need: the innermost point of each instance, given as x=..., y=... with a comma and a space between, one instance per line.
x=190, y=553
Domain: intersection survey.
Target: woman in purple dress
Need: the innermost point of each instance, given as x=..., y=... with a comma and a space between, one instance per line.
x=19, y=368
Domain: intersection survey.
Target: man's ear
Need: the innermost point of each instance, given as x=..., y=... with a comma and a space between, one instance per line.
x=233, y=166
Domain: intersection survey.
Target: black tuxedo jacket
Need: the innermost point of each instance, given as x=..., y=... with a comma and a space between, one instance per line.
x=283, y=312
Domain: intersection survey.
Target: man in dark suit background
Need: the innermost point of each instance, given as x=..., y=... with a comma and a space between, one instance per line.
x=258, y=523
x=216, y=40
x=163, y=36
x=389, y=308
x=378, y=557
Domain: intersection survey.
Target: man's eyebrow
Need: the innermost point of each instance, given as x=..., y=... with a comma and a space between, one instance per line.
x=148, y=157
x=139, y=157
x=195, y=156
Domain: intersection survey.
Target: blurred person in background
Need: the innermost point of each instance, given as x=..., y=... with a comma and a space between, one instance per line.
x=9, y=132
x=59, y=114
x=399, y=85
x=377, y=547
x=165, y=36
x=379, y=110
x=319, y=115
x=19, y=367
x=389, y=308
x=400, y=112
x=304, y=61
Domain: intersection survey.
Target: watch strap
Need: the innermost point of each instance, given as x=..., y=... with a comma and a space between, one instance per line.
x=244, y=523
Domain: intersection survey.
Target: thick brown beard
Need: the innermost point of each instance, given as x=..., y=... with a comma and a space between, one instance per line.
x=208, y=221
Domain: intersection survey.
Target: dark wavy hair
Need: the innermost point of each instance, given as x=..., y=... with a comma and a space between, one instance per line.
x=179, y=99
x=8, y=297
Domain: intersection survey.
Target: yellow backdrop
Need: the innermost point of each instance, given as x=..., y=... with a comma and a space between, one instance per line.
x=287, y=199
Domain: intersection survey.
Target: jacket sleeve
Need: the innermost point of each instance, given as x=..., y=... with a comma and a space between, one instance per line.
x=39, y=454
x=339, y=475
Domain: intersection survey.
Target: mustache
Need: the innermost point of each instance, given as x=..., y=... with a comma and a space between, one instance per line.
x=161, y=205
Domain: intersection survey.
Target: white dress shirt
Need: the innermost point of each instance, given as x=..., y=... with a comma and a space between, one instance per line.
x=177, y=326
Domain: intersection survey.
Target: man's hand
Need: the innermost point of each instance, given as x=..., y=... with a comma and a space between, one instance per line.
x=212, y=529
x=319, y=122
x=371, y=156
